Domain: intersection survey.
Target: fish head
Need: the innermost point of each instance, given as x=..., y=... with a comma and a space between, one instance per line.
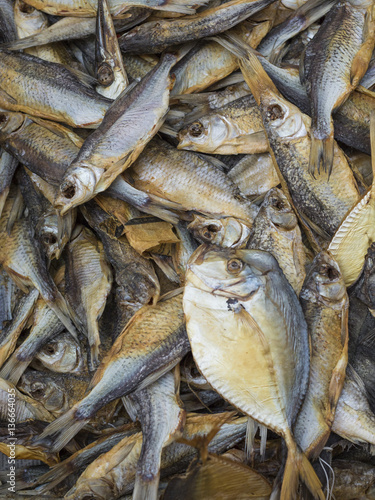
x=76, y=188
x=28, y=19
x=227, y=232
x=49, y=235
x=279, y=211
x=205, y=134
x=10, y=122
x=41, y=387
x=282, y=118
x=62, y=354
x=228, y=272
x=324, y=281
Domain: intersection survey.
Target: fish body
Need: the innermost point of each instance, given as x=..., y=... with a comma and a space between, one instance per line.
x=88, y=281
x=21, y=257
x=217, y=195
x=276, y=230
x=119, y=8
x=8, y=165
x=152, y=343
x=48, y=90
x=334, y=62
x=239, y=337
x=162, y=419
x=119, y=140
x=325, y=304
x=166, y=32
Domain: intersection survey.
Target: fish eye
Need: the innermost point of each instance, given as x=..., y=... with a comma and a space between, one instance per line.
x=3, y=118
x=329, y=271
x=234, y=265
x=105, y=75
x=277, y=203
x=69, y=191
x=275, y=112
x=196, y=129
x=49, y=349
x=50, y=239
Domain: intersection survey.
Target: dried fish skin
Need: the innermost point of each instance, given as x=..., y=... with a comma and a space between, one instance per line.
x=217, y=195
x=255, y=174
x=121, y=137
x=26, y=81
x=168, y=32
x=325, y=304
x=276, y=230
x=235, y=292
x=88, y=281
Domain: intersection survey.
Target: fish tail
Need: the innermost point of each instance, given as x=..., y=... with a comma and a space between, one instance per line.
x=60, y=308
x=321, y=152
x=298, y=467
x=146, y=488
x=66, y=427
x=252, y=70
x=14, y=369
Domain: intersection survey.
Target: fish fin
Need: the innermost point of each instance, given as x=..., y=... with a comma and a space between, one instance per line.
x=144, y=488
x=372, y=139
x=181, y=6
x=365, y=91
x=6, y=97
x=84, y=78
x=14, y=369
x=3, y=198
x=263, y=441
x=65, y=426
x=59, y=130
x=251, y=430
x=297, y=466
x=148, y=203
x=60, y=308
x=130, y=407
x=251, y=68
x=339, y=372
x=16, y=211
x=167, y=130
x=362, y=58
x=322, y=151
x=302, y=74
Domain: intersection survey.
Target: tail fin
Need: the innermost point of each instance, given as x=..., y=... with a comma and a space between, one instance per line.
x=13, y=370
x=252, y=70
x=65, y=426
x=298, y=467
x=322, y=151
x=146, y=489
x=60, y=308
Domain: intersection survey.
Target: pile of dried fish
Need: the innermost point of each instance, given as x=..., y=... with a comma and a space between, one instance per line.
x=187, y=281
